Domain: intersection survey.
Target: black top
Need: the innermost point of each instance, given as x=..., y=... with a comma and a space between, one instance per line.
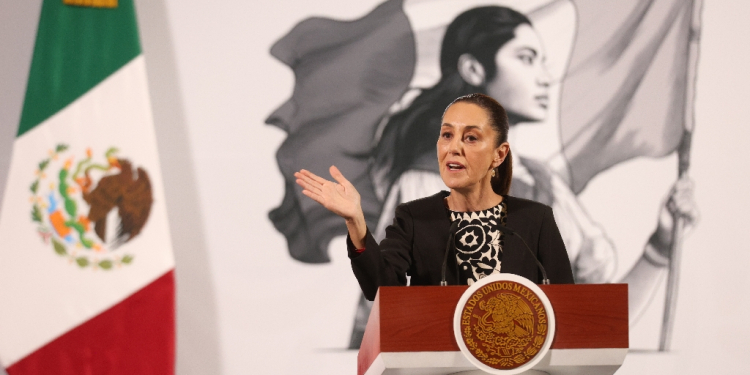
x=415, y=244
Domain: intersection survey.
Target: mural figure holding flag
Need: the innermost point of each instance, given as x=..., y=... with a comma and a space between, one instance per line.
x=494, y=50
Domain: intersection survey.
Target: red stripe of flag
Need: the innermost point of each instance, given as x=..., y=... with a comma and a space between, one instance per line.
x=136, y=336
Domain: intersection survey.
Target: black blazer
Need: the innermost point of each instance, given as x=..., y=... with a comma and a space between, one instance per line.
x=415, y=244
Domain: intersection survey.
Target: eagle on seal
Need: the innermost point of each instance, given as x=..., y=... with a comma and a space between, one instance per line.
x=507, y=314
x=129, y=191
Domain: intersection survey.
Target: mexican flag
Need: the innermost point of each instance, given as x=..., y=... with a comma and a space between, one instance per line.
x=86, y=265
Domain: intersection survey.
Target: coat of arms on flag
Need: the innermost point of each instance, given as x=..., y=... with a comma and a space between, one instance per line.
x=86, y=207
x=616, y=84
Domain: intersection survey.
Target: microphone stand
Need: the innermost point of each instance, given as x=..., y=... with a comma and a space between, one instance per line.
x=451, y=236
x=508, y=231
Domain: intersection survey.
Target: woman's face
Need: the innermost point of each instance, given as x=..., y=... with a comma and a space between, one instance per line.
x=466, y=148
x=521, y=84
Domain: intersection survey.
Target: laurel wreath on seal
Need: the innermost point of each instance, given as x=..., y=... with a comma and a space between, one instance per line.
x=77, y=245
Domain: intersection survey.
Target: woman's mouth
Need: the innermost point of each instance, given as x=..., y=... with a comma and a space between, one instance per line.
x=455, y=166
x=543, y=100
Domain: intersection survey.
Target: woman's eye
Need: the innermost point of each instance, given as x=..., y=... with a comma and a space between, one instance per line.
x=471, y=138
x=526, y=59
x=446, y=135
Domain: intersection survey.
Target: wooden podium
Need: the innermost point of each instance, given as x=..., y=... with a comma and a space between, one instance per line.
x=410, y=331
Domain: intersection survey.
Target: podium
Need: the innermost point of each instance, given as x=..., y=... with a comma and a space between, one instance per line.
x=410, y=331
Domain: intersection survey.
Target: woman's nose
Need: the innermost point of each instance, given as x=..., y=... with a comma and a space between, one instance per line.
x=454, y=147
x=544, y=78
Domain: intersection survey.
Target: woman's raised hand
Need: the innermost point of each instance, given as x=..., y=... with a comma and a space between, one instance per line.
x=339, y=197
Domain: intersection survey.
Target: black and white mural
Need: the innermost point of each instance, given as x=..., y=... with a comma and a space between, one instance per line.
x=587, y=85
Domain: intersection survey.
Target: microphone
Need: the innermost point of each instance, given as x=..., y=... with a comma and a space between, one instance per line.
x=511, y=232
x=451, y=235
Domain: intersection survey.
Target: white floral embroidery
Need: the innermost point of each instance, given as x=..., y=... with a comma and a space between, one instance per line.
x=479, y=245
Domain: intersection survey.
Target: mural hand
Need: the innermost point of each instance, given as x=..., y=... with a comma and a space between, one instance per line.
x=680, y=202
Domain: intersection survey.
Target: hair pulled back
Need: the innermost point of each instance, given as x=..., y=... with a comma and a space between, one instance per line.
x=499, y=122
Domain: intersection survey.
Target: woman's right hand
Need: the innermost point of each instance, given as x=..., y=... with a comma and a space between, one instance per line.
x=339, y=197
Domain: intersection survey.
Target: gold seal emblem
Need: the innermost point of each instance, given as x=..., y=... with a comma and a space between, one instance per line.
x=503, y=323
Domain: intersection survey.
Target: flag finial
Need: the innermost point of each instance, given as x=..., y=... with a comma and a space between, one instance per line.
x=92, y=3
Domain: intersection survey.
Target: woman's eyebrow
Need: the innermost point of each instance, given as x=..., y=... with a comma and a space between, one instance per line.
x=470, y=127
x=530, y=49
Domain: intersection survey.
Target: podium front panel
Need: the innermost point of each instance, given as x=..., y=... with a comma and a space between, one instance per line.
x=415, y=325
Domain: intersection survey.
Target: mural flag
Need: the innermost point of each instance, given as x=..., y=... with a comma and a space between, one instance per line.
x=348, y=75
x=86, y=266
x=624, y=92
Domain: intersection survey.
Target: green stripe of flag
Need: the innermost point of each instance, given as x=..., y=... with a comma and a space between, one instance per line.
x=76, y=48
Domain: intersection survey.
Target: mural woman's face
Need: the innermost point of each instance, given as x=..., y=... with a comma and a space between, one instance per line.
x=522, y=81
x=466, y=148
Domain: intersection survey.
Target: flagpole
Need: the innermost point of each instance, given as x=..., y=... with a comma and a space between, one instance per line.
x=683, y=153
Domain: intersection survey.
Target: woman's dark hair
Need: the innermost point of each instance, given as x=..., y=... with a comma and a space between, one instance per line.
x=409, y=139
x=499, y=122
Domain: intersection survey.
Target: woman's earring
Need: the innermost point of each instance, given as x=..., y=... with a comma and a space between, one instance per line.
x=493, y=172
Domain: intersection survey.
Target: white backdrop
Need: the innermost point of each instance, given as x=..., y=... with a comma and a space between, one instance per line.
x=244, y=306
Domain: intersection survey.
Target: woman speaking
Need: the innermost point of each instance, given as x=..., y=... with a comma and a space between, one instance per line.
x=475, y=164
